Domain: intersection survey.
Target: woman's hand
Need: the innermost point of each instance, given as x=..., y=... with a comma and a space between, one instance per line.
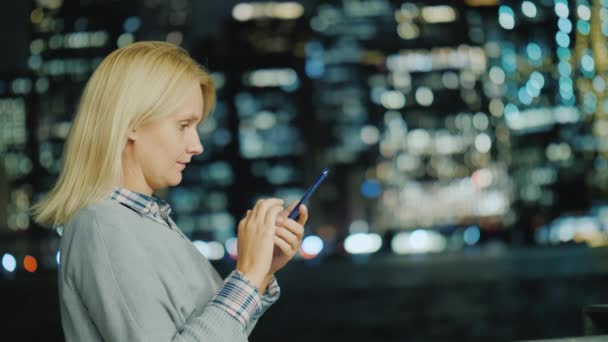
x=256, y=240
x=288, y=237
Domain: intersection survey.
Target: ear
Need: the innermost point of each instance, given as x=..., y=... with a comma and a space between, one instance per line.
x=132, y=136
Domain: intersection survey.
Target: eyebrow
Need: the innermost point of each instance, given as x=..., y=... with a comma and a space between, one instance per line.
x=192, y=117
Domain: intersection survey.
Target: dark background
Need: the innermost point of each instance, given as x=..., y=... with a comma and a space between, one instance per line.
x=501, y=239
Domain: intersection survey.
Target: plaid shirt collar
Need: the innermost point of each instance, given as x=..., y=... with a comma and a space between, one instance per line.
x=151, y=206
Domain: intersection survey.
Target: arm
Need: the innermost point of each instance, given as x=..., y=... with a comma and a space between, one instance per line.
x=127, y=302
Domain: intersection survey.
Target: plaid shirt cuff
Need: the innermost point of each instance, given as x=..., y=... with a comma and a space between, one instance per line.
x=273, y=292
x=240, y=298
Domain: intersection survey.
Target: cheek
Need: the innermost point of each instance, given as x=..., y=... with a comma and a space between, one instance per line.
x=158, y=152
x=168, y=149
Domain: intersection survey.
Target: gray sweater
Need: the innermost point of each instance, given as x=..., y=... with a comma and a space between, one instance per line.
x=125, y=277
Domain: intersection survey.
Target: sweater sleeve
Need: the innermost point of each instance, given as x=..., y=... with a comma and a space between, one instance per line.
x=127, y=302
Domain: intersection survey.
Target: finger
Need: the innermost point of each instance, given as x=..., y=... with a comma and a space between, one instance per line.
x=256, y=208
x=289, y=237
x=294, y=206
x=291, y=206
x=285, y=213
x=272, y=214
x=284, y=246
x=262, y=206
x=266, y=205
x=293, y=227
x=303, y=215
x=298, y=207
x=247, y=217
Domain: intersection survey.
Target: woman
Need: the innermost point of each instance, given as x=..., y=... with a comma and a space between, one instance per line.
x=127, y=273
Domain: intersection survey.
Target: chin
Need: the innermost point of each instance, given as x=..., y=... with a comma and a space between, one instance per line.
x=176, y=180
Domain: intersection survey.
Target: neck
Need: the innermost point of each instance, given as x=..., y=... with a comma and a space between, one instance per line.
x=133, y=178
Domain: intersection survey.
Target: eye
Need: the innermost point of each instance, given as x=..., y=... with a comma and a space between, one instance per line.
x=183, y=126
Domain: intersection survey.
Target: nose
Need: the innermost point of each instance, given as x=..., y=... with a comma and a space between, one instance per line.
x=195, y=147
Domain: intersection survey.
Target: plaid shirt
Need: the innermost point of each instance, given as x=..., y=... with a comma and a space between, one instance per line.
x=238, y=296
x=151, y=206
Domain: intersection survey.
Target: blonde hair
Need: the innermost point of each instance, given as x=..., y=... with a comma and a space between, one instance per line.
x=132, y=85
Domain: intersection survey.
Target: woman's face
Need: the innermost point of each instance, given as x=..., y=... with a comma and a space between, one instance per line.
x=159, y=150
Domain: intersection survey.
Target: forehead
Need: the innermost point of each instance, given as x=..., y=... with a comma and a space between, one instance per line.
x=192, y=108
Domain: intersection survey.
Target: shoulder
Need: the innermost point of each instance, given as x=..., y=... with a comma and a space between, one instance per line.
x=98, y=234
x=106, y=217
x=96, y=241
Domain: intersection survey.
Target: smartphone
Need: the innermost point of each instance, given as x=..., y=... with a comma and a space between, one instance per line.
x=296, y=211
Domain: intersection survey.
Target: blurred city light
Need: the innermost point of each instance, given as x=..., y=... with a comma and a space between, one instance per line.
x=9, y=262
x=439, y=114
x=471, y=235
x=312, y=246
x=259, y=10
x=439, y=14
x=231, y=247
x=418, y=242
x=362, y=243
x=215, y=251
x=506, y=17
x=30, y=264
